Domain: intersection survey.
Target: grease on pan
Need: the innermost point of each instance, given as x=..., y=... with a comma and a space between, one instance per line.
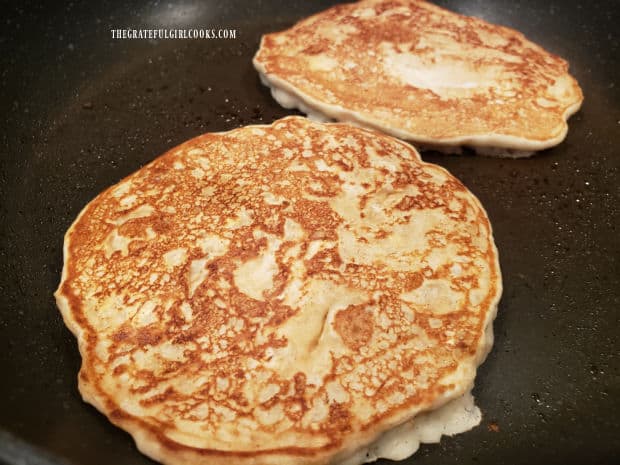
x=424, y=74
x=292, y=293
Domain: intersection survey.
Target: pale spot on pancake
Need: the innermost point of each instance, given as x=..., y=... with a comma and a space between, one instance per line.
x=243, y=218
x=396, y=398
x=122, y=189
x=435, y=323
x=128, y=201
x=407, y=312
x=292, y=294
x=248, y=426
x=116, y=243
x=454, y=205
x=387, y=250
x=436, y=258
x=456, y=270
x=198, y=173
x=187, y=311
x=175, y=257
x=317, y=413
x=237, y=324
x=226, y=413
x=382, y=319
x=213, y=245
x=201, y=411
x=321, y=63
x=173, y=352
x=321, y=165
x=299, y=167
x=131, y=406
x=293, y=230
x=255, y=276
x=364, y=13
x=476, y=296
x=269, y=416
x=268, y=392
x=316, y=246
x=271, y=199
x=196, y=275
x=146, y=314
x=560, y=89
x=102, y=349
x=140, y=212
x=204, y=163
x=546, y=103
x=377, y=161
x=336, y=393
x=222, y=383
x=309, y=334
x=435, y=296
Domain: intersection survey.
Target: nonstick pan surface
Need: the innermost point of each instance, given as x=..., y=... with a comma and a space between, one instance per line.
x=81, y=110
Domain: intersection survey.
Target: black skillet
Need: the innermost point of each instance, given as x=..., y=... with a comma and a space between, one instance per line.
x=81, y=110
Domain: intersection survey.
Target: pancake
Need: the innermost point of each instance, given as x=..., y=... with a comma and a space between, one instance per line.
x=294, y=293
x=423, y=74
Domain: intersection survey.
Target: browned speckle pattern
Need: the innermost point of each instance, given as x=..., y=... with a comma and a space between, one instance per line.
x=253, y=293
x=423, y=73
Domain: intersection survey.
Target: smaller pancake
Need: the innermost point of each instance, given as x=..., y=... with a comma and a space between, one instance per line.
x=423, y=74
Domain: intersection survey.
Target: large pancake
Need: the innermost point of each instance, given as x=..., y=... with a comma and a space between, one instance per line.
x=422, y=73
x=280, y=294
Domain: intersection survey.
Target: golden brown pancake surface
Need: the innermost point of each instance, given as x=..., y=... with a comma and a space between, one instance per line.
x=278, y=294
x=422, y=73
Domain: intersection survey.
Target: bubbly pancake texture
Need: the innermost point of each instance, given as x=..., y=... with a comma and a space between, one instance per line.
x=422, y=73
x=278, y=294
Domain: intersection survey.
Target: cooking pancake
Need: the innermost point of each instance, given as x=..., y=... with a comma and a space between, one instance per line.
x=292, y=293
x=424, y=74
